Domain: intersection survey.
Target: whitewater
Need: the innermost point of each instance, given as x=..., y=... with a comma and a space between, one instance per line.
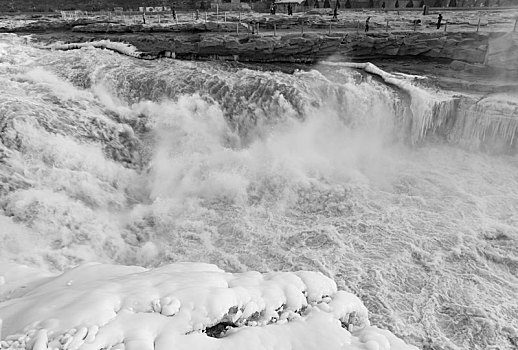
x=352, y=187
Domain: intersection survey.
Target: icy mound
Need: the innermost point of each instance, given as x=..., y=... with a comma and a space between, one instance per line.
x=119, y=47
x=186, y=306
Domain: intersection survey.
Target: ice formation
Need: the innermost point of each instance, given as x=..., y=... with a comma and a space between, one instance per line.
x=185, y=306
x=119, y=47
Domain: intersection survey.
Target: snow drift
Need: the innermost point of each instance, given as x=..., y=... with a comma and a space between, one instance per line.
x=186, y=306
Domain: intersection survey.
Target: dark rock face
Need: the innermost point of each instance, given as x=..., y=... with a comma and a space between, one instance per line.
x=472, y=48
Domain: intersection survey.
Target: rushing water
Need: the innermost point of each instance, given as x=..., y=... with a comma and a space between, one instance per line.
x=108, y=158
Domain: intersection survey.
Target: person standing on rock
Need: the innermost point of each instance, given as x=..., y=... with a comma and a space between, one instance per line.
x=290, y=10
x=367, y=24
x=439, y=20
x=335, y=12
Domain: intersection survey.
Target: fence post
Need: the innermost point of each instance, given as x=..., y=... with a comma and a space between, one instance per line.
x=158, y=19
x=217, y=12
x=515, y=23
x=237, y=28
x=274, y=29
x=415, y=24
x=301, y=29
x=257, y=28
x=478, y=25
x=446, y=26
x=386, y=28
x=225, y=17
x=330, y=24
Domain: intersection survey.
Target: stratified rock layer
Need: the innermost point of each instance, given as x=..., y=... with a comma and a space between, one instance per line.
x=494, y=50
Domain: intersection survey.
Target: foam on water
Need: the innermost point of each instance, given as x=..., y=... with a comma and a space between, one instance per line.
x=107, y=158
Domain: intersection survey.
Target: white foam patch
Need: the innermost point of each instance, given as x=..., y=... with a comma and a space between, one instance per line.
x=185, y=306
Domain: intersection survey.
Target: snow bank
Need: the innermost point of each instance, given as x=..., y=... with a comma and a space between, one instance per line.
x=119, y=47
x=185, y=306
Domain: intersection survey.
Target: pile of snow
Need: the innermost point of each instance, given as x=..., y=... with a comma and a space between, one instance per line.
x=184, y=306
x=119, y=47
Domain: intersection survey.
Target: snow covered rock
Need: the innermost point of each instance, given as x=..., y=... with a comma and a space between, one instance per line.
x=186, y=306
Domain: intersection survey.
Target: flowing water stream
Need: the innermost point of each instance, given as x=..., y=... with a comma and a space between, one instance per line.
x=404, y=195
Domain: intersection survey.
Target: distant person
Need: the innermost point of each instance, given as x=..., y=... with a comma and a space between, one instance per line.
x=273, y=9
x=144, y=18
x=290, y=10
x=335, y=12
x=367, y=24
x=174, y=13
x=425, y=10
x=197, y=14
x=439, y=21
x=396, y=5
x=383, y=5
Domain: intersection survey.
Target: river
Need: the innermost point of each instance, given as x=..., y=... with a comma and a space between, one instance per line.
x=360, y=176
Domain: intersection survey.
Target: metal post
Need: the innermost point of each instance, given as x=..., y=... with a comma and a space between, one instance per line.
x=478, y=25
x=445, y=26
x=158, y=19
x=415, y=24
x=217, y=11
x=274, y=29
x=257, y=28
x=386, y=28
x=237, y=28
x=225, y=18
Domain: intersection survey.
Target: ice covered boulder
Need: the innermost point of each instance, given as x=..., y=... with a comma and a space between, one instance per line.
x=185, y=306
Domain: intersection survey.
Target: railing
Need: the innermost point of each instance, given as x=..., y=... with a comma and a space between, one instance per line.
x=383, y=21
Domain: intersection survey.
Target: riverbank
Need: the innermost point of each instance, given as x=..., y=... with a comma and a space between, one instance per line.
x=473, y=45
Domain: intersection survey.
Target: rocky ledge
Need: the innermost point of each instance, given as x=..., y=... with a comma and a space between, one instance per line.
x=465, y=50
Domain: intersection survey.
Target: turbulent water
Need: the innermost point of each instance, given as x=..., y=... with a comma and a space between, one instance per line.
x=404, y=195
